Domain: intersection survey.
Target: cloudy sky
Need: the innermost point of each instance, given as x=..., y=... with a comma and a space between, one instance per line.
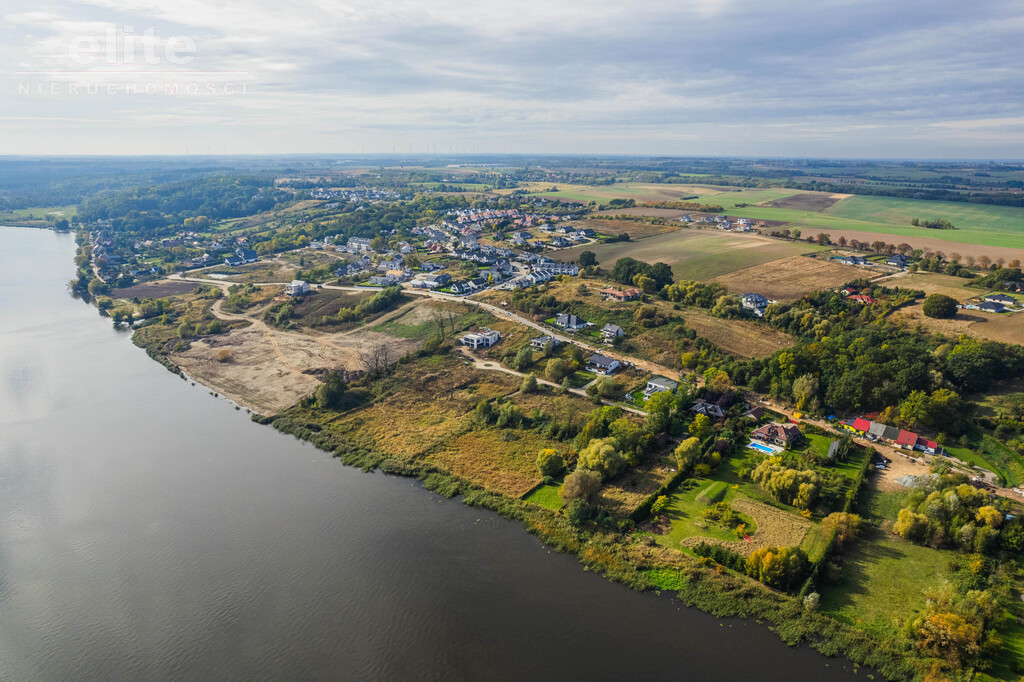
x=851, y=78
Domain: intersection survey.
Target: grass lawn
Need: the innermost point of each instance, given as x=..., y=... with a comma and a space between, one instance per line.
x=546, y=496
x=581, y=378
x=685, y=512
x=884, y=578
x=992, y=455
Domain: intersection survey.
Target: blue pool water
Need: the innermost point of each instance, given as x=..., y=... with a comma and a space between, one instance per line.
x=762, y=448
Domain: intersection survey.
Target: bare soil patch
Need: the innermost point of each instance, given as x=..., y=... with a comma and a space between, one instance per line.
x=805, y=201
x=160, y=289
x=269, y=370
x=789, y=278
x=634, y=228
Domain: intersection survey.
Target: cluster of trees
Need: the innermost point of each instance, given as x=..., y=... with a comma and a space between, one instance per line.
x=789, y=486
x=648, y=277
x=952, y=513
x=847, y=366
x=933, y=224
x=696, y=294
x=216, y=197
x=941, y=409
x=783, y=568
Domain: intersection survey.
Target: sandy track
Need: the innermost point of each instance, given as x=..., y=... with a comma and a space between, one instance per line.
x=269, y=370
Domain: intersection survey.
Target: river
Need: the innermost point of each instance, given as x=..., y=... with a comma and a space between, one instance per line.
x=150, y=530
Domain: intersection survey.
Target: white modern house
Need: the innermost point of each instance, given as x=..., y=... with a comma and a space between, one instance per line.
x=484, y=338
x=297, y=288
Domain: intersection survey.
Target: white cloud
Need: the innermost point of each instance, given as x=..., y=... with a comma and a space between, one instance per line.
x=702, y=76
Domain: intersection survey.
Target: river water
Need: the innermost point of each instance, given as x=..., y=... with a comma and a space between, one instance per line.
x=150, y=530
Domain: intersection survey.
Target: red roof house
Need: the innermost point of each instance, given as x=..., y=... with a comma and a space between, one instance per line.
x=861, y=425
x=906, y=439
x=863, y=298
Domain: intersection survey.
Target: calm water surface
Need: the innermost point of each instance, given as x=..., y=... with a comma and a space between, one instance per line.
x=149, y=530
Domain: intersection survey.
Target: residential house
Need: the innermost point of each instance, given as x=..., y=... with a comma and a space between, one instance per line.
x=659, y=385
x=988, y=307
x=621, y=295
x=855, y=260
x=484, y=338
x=1014, y=286
x=461, y=287
x=247, y=255
x=436, y=280
x=897, y=260
x=567, y=321
x=552, y=269
x=777, y=434
x=233, y=260
x=879, y=431
x=359, y=244
x=383, y=281
x=540, y=342
x=296, y=288
x=906, y=440
x=863, y=299
x=610, y=332
x=755, y=303
x=560, y=242
x=708, y=409
x=1002, y=299
x=602, y=364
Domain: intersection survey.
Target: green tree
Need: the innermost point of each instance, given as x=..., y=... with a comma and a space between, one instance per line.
x=556, y=370
x=577, y=512
x=939, y=306
x=523, y=359
x=687, y=451
x=659, y=505
x=529, y=383
x=659, y=411
x=701, y=426
x=329, y=394
x=587, y=259
x=600, y=455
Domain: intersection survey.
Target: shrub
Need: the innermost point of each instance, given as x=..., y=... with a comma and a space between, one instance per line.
x=550, y=463
x=581, y=484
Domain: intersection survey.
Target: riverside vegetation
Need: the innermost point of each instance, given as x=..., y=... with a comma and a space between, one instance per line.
x=644, y=490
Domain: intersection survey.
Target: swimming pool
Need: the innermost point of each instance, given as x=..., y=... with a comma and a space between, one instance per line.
x=761, y=448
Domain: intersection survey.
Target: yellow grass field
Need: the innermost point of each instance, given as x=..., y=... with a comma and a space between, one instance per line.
x=789, y=278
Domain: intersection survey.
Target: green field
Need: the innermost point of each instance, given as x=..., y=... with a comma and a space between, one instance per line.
x=546, y=496
x=981, y=224
x=696, y=254
x=38, y=213
x=884, y=578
